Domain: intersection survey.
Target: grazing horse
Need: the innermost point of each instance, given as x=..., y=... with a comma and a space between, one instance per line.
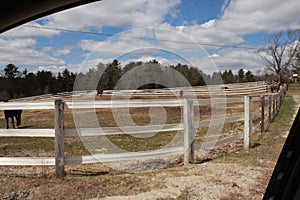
x=275, y=87
x=99, y=92
x=225, y=88
x=13, y=114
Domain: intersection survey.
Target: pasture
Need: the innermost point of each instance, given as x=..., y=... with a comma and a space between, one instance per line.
x=44, y=119
x=98, y=180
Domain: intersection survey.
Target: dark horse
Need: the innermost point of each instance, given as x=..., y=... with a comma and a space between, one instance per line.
x=225, y=88
x=99, y=92
x=13, y=114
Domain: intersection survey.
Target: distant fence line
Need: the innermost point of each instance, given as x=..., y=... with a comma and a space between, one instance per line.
x=269, y=107
x=233, y=89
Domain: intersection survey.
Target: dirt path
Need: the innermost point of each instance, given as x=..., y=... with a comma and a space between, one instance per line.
x=204, y=181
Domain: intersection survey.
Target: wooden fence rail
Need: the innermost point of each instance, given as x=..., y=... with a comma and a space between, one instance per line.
x=269, y=105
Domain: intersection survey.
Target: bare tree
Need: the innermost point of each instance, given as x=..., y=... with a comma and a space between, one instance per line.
x=296, y=64
x=279, y=55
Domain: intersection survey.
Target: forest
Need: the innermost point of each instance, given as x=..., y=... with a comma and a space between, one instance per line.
x=17, y=84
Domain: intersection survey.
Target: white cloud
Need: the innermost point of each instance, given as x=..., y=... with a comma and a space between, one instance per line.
x=214, y=55
x=178, y=40
x=18, y=43
x=113, y=48
x=64, y=51
x=56, y=52
x=233, y=59
x=21, y=52
x=88, y=45
x=46, y=49
x=253, y=16
x=211, y=35
x=161, y=60
x=113, y=13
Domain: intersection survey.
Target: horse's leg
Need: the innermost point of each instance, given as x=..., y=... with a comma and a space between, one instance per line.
x=18, y=118
x=13, y=122
x=19, y=123
x=6, y=119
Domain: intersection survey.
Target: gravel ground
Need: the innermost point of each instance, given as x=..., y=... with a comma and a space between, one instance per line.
x=205, y=181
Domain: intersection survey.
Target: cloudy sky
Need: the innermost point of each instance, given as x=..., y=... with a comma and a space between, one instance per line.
x=210, y=34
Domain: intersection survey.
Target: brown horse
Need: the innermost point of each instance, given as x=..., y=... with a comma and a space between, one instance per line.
x=274, y=87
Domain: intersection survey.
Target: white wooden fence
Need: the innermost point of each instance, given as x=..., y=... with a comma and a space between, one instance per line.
x=269, y=106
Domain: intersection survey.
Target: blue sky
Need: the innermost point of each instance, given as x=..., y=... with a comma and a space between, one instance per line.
x=202, y=33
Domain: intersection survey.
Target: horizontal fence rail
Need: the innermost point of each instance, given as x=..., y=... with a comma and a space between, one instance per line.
x=76, y=104
x=95, y=158
x=113, y=130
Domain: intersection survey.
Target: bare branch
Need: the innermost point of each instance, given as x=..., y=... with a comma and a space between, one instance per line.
x=280, y=55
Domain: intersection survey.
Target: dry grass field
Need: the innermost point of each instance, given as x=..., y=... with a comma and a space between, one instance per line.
x=34, y=119
x=228, y=172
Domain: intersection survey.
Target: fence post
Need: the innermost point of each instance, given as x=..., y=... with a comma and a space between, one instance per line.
x=275, y=103
x=189, y=134
x=59, y=139
x=274, y=106
x=270, y=109
x=278, y=102
x=281, y=97
x=181, y=93
x=262, y=114
x=247, y=122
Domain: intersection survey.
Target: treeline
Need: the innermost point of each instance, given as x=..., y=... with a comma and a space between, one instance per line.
x=17, y=84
